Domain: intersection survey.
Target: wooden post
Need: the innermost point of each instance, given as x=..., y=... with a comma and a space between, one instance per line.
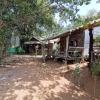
x=91, y=57
x=90, y=47
x=48, y=49
x=67, y=43
x=65, y=61
x=42, y=48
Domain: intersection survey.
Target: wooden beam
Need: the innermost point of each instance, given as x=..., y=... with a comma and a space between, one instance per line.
x=90, y=47
x=67, y=43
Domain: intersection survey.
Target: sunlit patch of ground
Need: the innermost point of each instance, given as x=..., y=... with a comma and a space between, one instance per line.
x=28, y=78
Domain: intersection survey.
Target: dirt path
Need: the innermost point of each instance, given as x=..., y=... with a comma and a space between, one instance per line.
x=26, y=78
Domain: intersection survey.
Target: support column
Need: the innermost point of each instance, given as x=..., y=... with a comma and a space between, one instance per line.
x=48, y=49
x=67, y=43
x=90, y=47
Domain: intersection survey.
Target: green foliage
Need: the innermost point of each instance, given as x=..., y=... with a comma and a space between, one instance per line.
x=20, y=50
x=69, y=6
x=95, y=68
x=34, y=16
x=76, y=55
x=97, y=41
x=53, y=51
x=58, y=47
x=4, y=40
x=37, y=13
x=80, y=20
x=86, y=57
x=77, y=74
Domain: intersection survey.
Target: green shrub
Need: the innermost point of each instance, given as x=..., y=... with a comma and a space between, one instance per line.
x=86, y=57
x=77, y=74
x=95, y=68
x=20, y=50
x=53, y=51
x=58, y=47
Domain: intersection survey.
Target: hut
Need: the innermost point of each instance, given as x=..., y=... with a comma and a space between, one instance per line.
x=75, y=40
x=69, y=42
x=31, y=46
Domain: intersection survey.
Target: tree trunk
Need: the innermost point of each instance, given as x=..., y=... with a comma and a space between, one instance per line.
x=90, y=47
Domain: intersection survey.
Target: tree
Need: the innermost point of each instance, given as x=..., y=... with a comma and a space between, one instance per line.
x=26, y=12
x=37, y=15
x=16, y=14
x=68, y=9
x=4, y=40
x=80, y=20
x=39, y=12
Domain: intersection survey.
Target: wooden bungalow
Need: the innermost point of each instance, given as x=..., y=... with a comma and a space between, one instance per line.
x=73, y=41
x=69, y=42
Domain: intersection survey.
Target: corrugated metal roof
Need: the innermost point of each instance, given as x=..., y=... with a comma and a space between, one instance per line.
x=32, y=42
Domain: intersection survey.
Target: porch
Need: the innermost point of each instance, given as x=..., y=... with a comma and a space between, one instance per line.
x=71, y=45
x=74, y=54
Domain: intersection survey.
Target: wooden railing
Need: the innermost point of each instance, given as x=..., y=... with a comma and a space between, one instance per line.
x=77, y=50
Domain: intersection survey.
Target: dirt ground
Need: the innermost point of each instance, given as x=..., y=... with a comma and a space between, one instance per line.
x=25, y=77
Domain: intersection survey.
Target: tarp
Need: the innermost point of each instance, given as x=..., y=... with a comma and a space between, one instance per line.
x=13, y=51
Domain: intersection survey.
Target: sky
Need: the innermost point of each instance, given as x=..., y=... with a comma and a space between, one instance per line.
x=84, y=8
